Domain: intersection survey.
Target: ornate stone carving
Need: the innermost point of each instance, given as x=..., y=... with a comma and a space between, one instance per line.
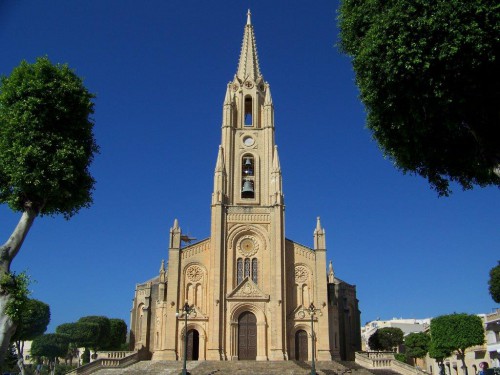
x=301, y=274
x=194, y=273
x=249, y=290
x=247, y=246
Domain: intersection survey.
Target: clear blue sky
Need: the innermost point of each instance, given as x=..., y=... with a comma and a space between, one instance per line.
x=159, y=70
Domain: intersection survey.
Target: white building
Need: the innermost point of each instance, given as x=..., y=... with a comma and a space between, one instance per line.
x=406, y=325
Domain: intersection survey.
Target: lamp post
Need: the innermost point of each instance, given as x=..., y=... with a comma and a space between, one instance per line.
x=312, y=311
x=186, y=310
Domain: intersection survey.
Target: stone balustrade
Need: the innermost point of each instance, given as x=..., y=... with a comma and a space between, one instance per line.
x=381, y=360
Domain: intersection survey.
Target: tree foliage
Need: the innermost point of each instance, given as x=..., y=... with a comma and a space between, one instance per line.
x=428, y=74
x=95, y=332
x=439, y=354
x=386, y=338
x=51, y=345
x=46, y=140
x=494, y=283
x=80, y=334
x=16, y=287
x=102, y=339
x=33, y=321
x=456, y=332
x=417, y=344
x=46, y=148
x=118, y=334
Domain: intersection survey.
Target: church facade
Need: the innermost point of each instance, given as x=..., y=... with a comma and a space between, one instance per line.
x=249, y=289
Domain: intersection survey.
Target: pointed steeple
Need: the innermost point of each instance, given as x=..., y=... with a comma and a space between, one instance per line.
x=175, y=236
x=319, y=236
x=248, y=66
x=318, y=225
x=162, y=267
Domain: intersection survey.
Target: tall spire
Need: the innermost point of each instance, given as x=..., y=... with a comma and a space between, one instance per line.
x=248, y=66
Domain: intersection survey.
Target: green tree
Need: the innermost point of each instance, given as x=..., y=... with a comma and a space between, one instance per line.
x=439, y=354
x=118, y=335
x=102, y=339
x=417, y=345
x=494, y=283
x=33, y=322
x=46, y=148
x=386, y=338
x=50, y=346
x=427, y=72
x=80, y=333
x=457, y=332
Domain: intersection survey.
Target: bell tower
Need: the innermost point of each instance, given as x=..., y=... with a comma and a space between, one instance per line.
x=246, y=292
x=247, y=230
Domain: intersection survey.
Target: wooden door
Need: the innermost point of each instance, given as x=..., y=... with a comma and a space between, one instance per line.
x=247, y=336
x=301, y=345
x=193, y=345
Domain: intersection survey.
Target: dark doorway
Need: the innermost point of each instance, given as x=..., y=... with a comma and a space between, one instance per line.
x=247, y=336
x=301, y=345
x=193, y=345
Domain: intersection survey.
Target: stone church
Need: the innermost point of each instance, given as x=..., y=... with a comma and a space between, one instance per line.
x=248, y=287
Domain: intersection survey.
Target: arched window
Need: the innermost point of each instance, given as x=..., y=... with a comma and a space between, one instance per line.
x=248, y=176
x=239, y=271
x=254, y=270
x=140, y=315
x=247, y=267
x=248, y=111
x=247, y=166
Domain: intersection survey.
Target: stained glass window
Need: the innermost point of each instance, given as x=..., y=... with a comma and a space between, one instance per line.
x=254, y=270
x=247, y=267
x=239, y=270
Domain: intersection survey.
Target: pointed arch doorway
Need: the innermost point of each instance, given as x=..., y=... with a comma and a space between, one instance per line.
x=193, y=345
x=247, y=336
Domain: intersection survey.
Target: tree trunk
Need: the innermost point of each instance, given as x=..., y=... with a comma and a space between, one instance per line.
x=20, y=356
x=462, y=356
x=7, y=327
x=7, y=253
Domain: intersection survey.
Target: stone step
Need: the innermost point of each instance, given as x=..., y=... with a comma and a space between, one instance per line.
x=234, y=367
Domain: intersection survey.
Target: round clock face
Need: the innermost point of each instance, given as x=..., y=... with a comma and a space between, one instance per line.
x=248, y=141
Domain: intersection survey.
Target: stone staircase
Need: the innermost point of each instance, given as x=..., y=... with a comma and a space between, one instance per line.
x=235, y=367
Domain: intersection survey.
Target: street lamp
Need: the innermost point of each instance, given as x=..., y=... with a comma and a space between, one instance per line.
x=312, y=311
x=186, y=310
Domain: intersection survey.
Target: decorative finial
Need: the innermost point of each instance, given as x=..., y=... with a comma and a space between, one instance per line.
x=249, y=20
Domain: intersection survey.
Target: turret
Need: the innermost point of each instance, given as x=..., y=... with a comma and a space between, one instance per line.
x=175, y=236
x=319, y=236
